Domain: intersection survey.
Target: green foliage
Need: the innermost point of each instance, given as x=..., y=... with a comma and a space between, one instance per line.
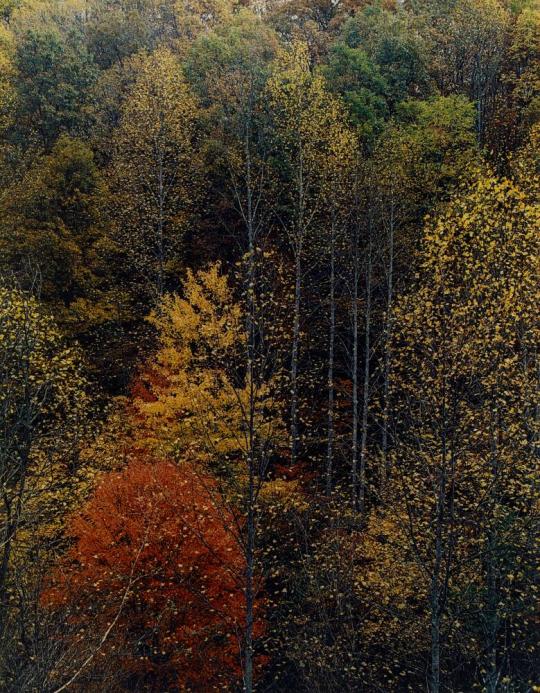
x=352, y=74
x=392, y=42
x=54, y=73
x=242, y=46
x=117, y=30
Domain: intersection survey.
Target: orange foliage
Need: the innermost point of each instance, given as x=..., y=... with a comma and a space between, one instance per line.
x=154, y=547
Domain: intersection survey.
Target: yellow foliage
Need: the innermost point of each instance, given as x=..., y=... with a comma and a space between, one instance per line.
x=155, y=176
x=201, y=396
x=43, y=408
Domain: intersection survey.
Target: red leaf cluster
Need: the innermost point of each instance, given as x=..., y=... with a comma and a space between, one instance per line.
x=154, y=538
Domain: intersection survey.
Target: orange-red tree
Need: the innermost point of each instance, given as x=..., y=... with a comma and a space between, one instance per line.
x=152, y=557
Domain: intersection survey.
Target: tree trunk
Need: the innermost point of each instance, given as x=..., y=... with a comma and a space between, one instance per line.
x=491, y=678
x=365, y=398
x=331, y=344
x=160, y=232
x=387, y=350
x=250, y=594
x=435, y=597
x=294, y=358
x=251, y=452
x=355, y=412
x=435, y=673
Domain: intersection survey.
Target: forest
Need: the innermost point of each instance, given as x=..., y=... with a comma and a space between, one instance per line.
x=269, y=346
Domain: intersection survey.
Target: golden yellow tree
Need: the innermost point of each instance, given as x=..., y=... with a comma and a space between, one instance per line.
x=7, y=96
x=155, y=173
x=6, y=72
x=43, y=406
x=195, y=409
x=465, y=375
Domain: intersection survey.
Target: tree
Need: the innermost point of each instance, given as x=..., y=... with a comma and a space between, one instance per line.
x=195, y=17
x=351, y=73
x=54, y=229
x=242, y=48
x=117, y=31
x=517, y=105
x=396, y=195
x=155, y=172
x=441, y=129
x=470, y=43
x=7, y=69
x=52, y=224
x=42, y=421
x=228, y=68
x=394, y=45
x=7, y=99
x=54, y=74
x=152, y=556
x=463, y=382
x=307, y=121
x=192, y=406
x=204, y=399
x=350, y=610
x=235, y=76
x=340, y=168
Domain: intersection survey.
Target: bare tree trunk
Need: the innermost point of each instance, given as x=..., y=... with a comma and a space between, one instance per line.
x=250, y=591
x=355, y=337
x=491, y=678
x=298, y=244
x=435, y=597
x=387, y=349
x=367, y=370
x=331, y=345
x=160, y=231
x=354, y=462
x=294, y=357
x=435, y=673
x=245, y=191
x=251, y=452
x=435, y=594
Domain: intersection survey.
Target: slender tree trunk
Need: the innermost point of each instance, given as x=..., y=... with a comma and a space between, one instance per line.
x=331, y=345
x=355, y=338
x=294, y=357
x=387, y=349
x=254, y=460
x=491, y=678
x=160, y=232
x=6, y=554
x=435, y=673
x=367, y=369
x=298, y=244
x=355, y=412
x=250, y=591
x=251, y=452
x=435, y=596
